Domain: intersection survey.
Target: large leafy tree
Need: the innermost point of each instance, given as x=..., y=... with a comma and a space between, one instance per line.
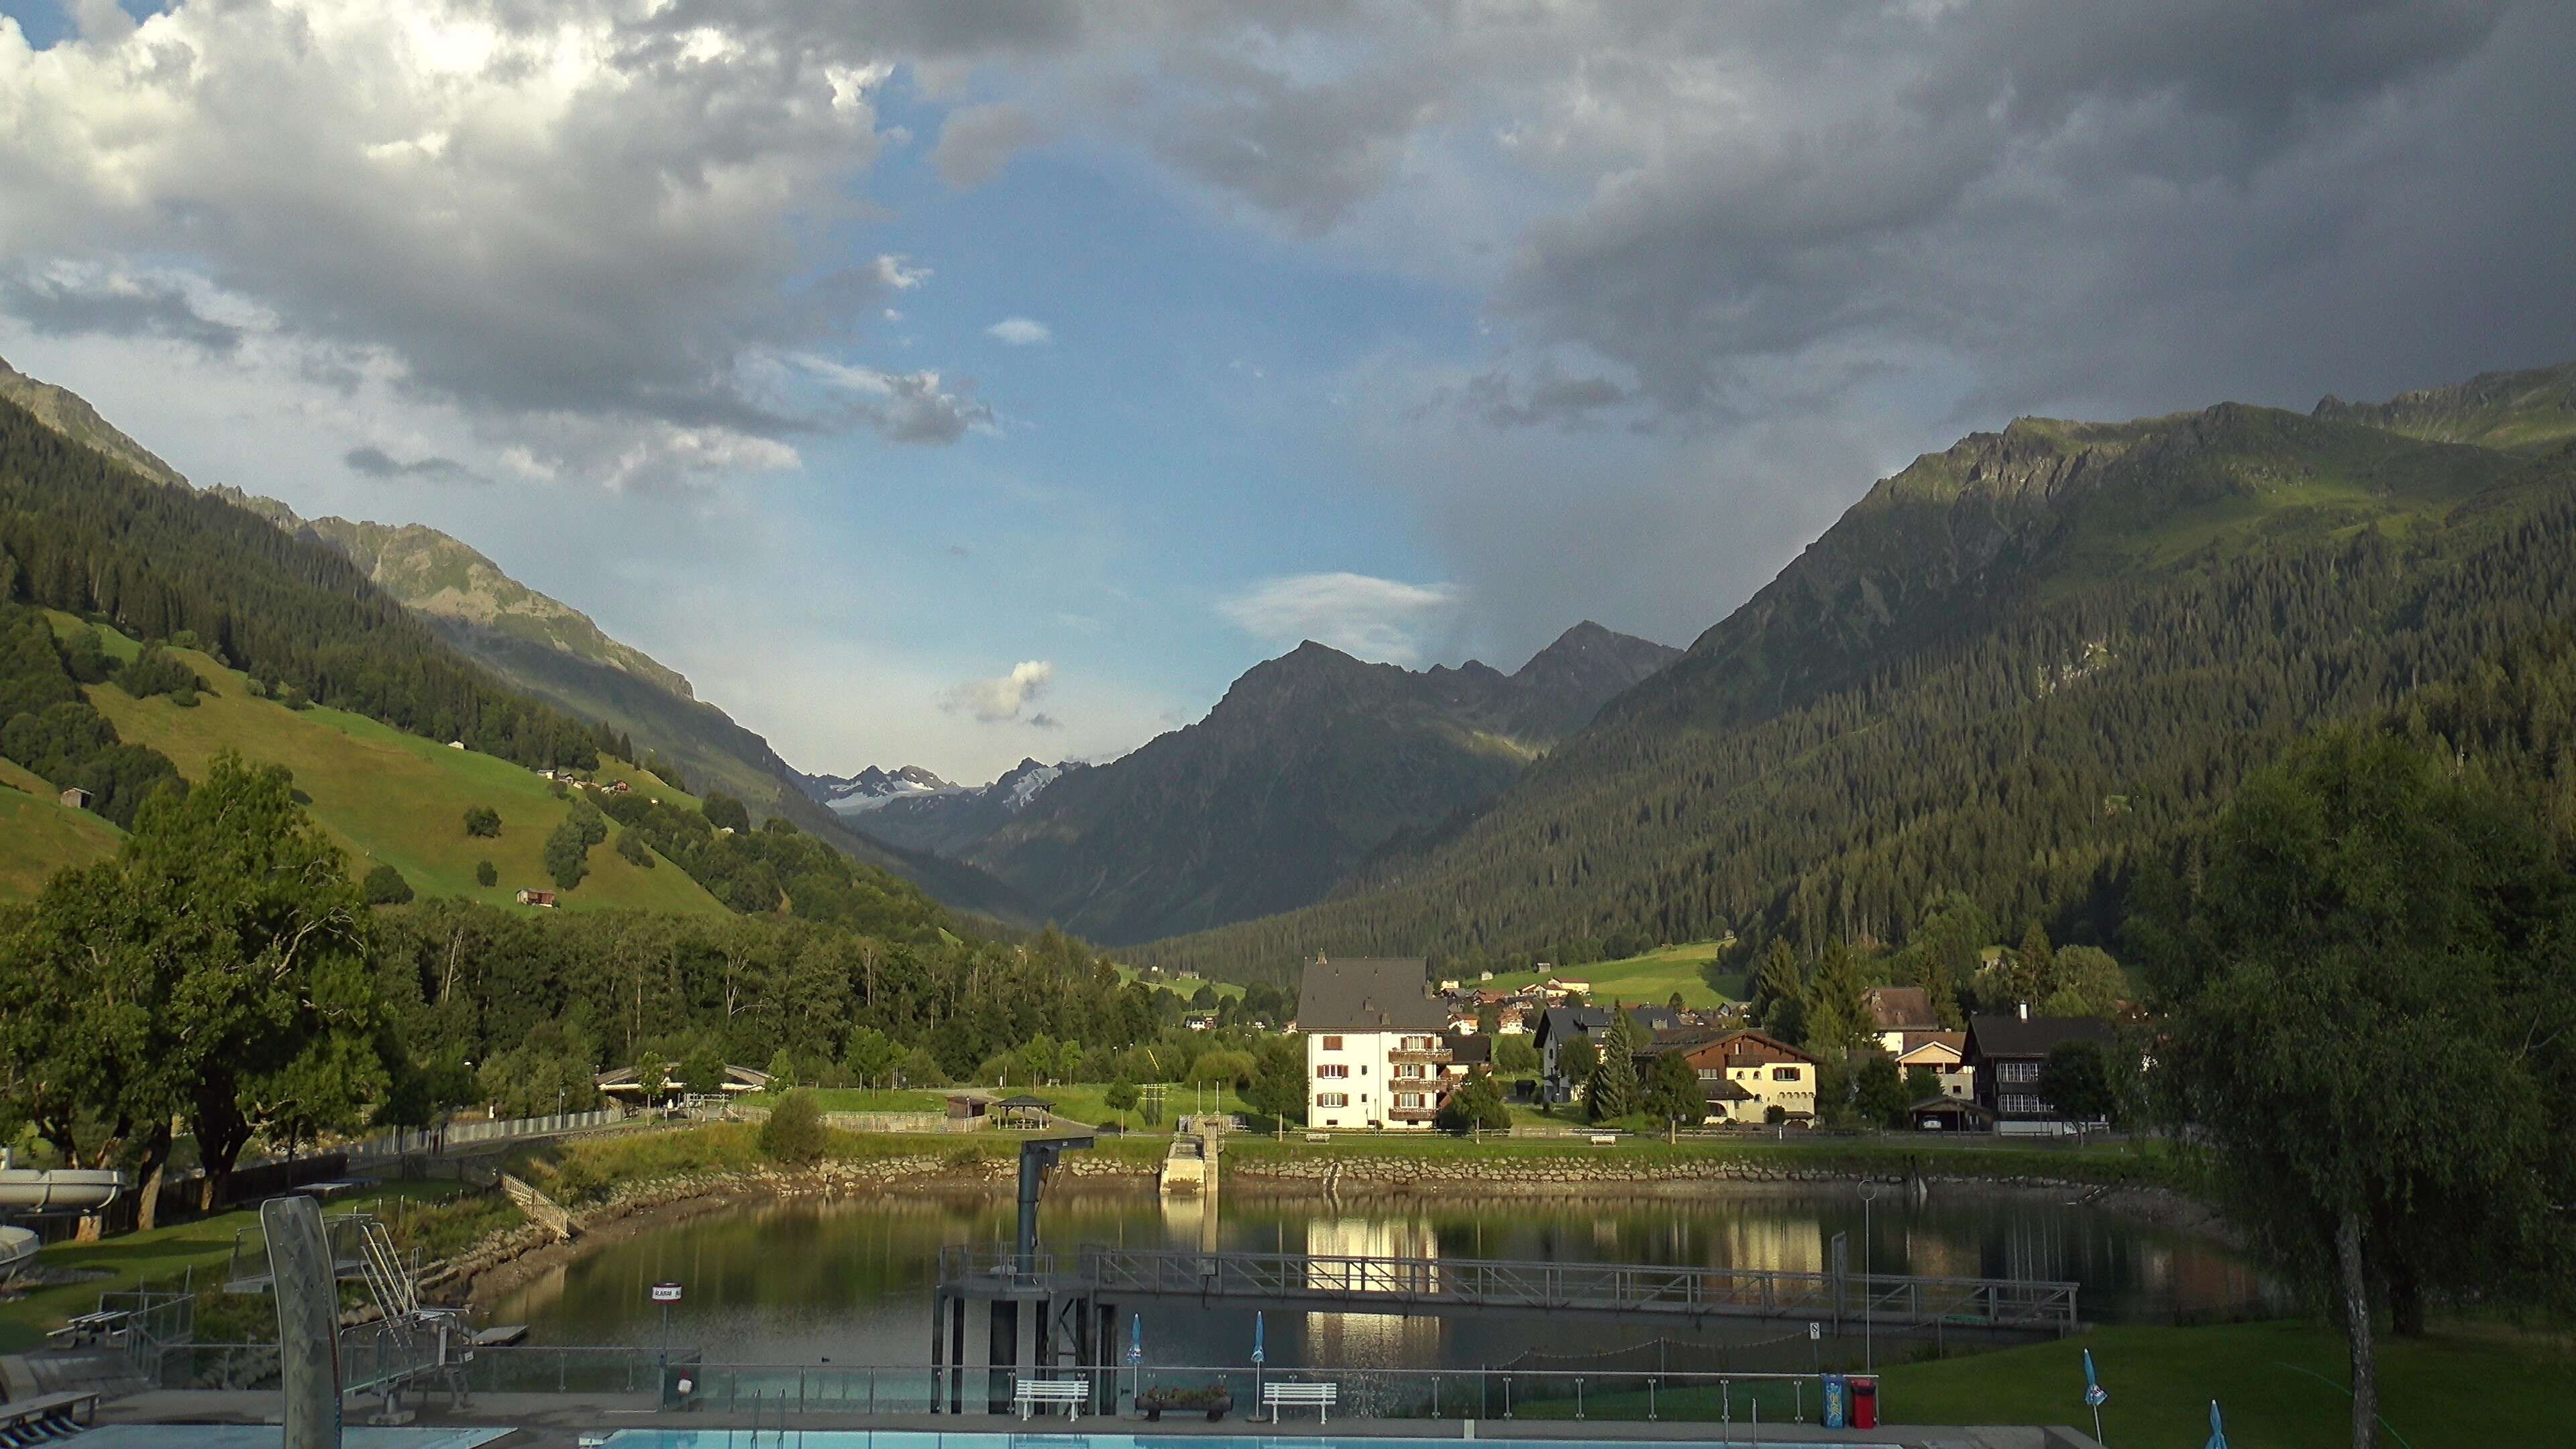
x=1673, y=1093
x=2373, y=1032
x=214, y=972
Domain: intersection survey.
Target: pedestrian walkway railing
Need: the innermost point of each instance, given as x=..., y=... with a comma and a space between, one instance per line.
x=815, y=1394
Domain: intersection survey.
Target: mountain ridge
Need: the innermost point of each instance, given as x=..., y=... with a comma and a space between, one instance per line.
x=2018, y=667
x=1309, y=764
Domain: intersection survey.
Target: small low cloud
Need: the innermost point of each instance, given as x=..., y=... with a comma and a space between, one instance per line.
x=906, y=407
x=1021, y=331
x=976, y=142
x=900, y=274
x=1045, y=721
x=375, y=462
x=995, y=700
x=1380, y=619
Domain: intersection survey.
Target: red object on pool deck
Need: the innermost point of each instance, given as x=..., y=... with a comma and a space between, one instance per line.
x=1864, y=1396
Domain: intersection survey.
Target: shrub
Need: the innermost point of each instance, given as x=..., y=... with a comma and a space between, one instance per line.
x=794, y=1132
x=483, y=821
x=485, y=874
x=185, y=697
x=294, y=697
x=385, y=886
x=567, y=855
x=630, y=847
x=153, y=672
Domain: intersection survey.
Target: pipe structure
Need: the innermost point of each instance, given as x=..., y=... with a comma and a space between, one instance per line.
x=308, y=1320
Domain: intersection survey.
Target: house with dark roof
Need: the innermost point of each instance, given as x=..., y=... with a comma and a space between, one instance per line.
x=1377, y=1050
x=1896, y=1010
x=2006, y=1053
x=1744, y=1075
x=1560, y=1025
x=1942, y=1053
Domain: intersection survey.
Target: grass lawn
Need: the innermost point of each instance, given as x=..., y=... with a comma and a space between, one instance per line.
x=2278, y=1384
x=1187, y=989
x=395, y=798
x=1653, y=977
x=439, y=1215
x=39, y=836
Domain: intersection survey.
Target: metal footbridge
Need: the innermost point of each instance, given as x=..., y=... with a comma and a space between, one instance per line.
x=1442, y=1285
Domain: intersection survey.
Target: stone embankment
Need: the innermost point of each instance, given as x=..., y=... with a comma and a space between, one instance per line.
x=504, y=1259
x=1443, y=1176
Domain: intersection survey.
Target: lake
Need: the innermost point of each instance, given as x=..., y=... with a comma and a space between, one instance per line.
x=848, y=1281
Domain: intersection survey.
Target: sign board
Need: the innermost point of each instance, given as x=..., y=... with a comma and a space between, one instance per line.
x=666, y=1292
x=1815, y=1331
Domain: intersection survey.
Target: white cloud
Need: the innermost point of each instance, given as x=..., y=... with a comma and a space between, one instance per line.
x=1020, y=331
x=995, y=700
x=905, y=407
x=1370, y=618
x=900, y=273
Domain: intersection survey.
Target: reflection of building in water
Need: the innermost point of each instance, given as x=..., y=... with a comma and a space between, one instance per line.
x=1772, y=1242
x=1369, y=1338
x=1929, y=1255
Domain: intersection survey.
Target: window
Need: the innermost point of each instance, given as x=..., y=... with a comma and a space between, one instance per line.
x=2017, y=1072
x=1784, y=1074
x=1332, y=1043
x=1413, y=1072
x=1363, y=1069
x=1334, y=1070
x=1332, y=1099
x=1711, y=1074
x=2026, y=1103
x=1408, y=1099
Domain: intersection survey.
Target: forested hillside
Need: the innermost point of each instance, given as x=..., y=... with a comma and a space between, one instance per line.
x=2018, y=669
x=1310, y=764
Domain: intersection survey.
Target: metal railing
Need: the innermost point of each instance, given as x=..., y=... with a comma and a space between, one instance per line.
x=1373, y=1283
x=810, y=1394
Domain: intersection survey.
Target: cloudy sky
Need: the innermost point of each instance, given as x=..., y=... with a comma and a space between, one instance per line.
x=943, y=384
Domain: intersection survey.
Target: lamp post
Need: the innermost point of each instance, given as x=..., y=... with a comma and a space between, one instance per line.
x=1868, y=1344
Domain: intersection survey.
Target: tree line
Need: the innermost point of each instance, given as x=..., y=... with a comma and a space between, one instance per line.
x=2036, y=762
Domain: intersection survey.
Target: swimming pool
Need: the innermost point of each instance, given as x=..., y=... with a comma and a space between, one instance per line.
x=918, y=1440
x=914, y=1439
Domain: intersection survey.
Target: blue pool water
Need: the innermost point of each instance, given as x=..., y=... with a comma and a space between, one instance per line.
x=916, y=1440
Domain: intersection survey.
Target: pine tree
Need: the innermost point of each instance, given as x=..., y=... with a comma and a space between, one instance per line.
x=1780, y=994
x=1614, y=1091
x=1837, y=1017
x=2034, y=967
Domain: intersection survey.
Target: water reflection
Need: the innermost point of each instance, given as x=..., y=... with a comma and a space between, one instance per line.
x=849, y=1281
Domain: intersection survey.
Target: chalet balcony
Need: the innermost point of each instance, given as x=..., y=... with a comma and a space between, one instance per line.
x=1438, y=1057
x=1412, y=1114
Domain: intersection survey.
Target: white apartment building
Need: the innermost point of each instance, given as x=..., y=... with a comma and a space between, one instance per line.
x=1374, y=1048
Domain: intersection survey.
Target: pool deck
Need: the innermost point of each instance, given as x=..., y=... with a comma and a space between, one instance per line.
x=556, y=1421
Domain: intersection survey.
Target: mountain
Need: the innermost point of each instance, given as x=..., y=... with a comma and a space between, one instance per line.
x=68, y=413
x=1310, y=764
x=872, y=787
x=341, y=609
x=917, y=810
x=2021, y=668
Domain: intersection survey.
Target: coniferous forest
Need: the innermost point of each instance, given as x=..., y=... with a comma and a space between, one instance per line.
x=2023, y=670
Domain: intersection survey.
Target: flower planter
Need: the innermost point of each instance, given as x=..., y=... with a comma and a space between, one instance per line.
x=1215, y=1403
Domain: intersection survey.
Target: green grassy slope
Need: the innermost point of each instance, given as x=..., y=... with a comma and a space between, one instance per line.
x=38, y=836
x=395, y=798
x=1650, y=979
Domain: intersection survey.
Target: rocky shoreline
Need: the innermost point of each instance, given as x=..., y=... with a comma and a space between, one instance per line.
x=506, y=1260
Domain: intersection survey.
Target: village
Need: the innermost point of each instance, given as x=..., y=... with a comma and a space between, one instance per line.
x=1388, y=1049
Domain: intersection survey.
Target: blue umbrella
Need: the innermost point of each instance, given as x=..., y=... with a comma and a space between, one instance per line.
x=2095, y=1396
x=2217, y=1434
x=1256, y=1336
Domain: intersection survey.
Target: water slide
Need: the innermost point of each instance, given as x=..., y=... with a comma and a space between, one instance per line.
x=25, y=1187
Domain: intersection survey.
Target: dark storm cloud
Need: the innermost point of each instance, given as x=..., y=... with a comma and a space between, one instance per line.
x=374, y=462
x=114, y=306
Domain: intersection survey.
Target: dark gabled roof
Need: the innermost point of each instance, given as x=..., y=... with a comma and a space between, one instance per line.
x=1722, y=1090
x=1025, y=1100
x=1991, y=1037
x=1470, y=1048
x=1585, y=1020
x=1368, y=993
x=1896, y=1008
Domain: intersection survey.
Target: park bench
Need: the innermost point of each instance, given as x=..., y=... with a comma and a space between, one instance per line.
x=1319, y=1137
x=46, y=1419
x=1319, y=1397
x=1028, y=1394
x=1605, y=1139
